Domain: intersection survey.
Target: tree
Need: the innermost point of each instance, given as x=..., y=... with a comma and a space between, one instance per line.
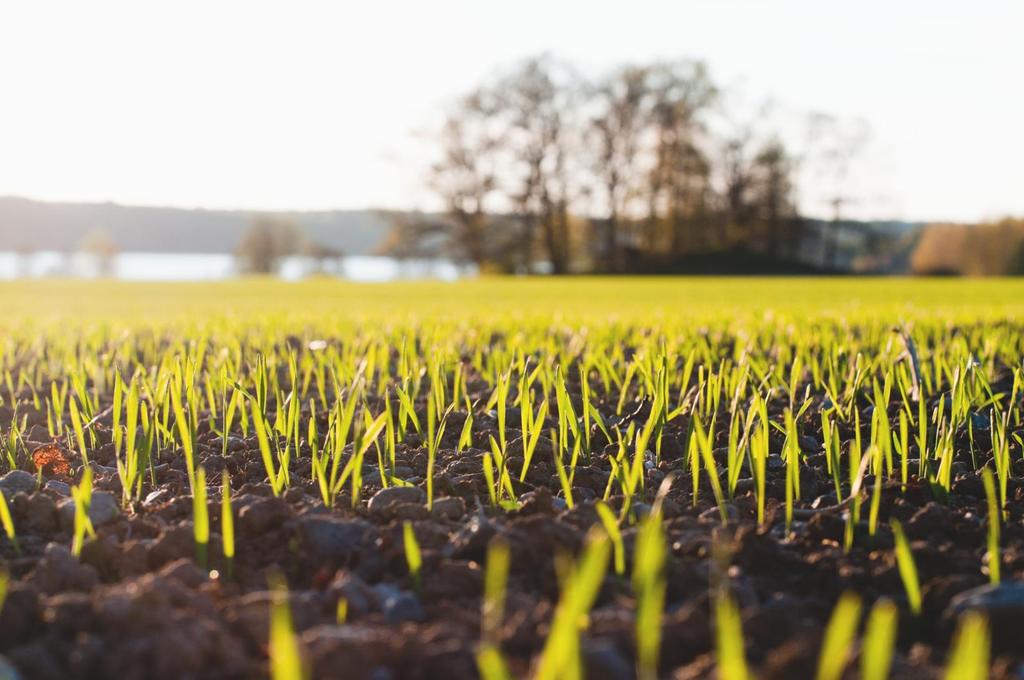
x=773, y=195
x=535, y=157
x=465, y=178
x=738, y=180
x=324, y=259
x=538, y=102
x=25, y=251
x=758, y=185
x=679, y=184
x=98, y=244
x=620, y=116
x=267, y=241
x=466, y=175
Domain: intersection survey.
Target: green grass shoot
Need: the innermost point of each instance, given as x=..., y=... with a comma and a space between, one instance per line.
x=413, y=556
x=82, y=498
x=227, y=525
x=969, y=658
x=730, y=650
x=879, y=641
x=560, y=656
x=201, y=519
x=839, y=637
x=8, y=523
x=994, y=521
x=611, y=526
x=285, y=654
x=490, y=661
x=907, y=568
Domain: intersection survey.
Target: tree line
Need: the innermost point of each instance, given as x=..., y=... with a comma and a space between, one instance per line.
x=639, y=169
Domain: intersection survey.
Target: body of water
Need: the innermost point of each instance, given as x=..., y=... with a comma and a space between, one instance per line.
x=216, y=266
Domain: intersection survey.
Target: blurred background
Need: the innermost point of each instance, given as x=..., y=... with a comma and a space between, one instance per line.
x=402, y=140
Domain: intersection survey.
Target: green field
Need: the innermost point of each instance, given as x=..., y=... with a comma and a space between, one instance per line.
x=639, y=300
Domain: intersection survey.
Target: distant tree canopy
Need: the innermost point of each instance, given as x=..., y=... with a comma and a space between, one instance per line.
x=987, y=249
x=539, y=165
x=266, y=242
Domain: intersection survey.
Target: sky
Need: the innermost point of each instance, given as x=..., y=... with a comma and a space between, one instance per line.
x=316, y=105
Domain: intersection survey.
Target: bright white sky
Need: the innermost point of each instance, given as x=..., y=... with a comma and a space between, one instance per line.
x=305, y=105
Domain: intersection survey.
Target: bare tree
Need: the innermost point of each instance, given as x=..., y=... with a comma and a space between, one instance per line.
x=267, y=241
x=738, y=185
x=25, y=251
x=757, y=178
x=773, y=195
x=621, y=114
x=100, y=246
x=324, y=260
x=466, y=175
x=538, y=102
x=679, y=185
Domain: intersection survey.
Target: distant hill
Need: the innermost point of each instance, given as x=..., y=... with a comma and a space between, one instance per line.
x=36, y=225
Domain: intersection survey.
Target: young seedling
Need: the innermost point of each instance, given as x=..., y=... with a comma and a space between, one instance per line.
x=227, y=525
x=489, y=659
x=531, y=436
x=560, y=656
x=495, y=583
x=129, y=468
x=76, y=424
x=876, y=491
x=704, y=445
x=413, y=556
x=466, y=435
x=907, y=568
x=649, y=586
x=969, y=658
x=228, y=408
x=12, y=441
x=791, y=455
x=433, y=444
x=611, y=527
x=201, y=519
x=8, y=524
x=82, y=498
x=879, y=641
x=285, y=655
x=759, y=455
x=839, y=636
x=992, y=555
x=5, y=582
x=488, y=466
x=491, y=665
x=275, y=476
x=187, y=432
x=563, y=478
x=352, y=472
x=729, y=647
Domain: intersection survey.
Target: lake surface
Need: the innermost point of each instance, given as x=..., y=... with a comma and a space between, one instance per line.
x=216, y=266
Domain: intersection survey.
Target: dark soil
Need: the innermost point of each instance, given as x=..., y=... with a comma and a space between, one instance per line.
x=138, y=606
